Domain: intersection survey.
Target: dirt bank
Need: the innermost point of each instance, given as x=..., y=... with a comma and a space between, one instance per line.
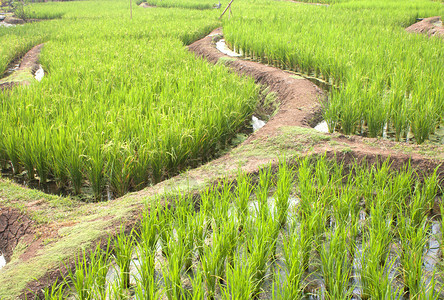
x=24, y=74
x=430, y=26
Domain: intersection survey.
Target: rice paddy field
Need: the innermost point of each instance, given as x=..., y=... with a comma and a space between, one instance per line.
x=314, y=233
x=130, y=170
x=383, y=79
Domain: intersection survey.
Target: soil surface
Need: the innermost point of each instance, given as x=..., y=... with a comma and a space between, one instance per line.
x=14, y=225
x=428, y=26
x=288, y=132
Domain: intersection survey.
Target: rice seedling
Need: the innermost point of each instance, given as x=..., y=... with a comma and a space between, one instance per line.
x=262, y=190
x=57, y=291
x=375, y=279
x=198, y=291
x=172, y=269
x=147, y=286
x=83, y=279
x=413, y=238
x=261, y=247
x=283, y=189
x=213, y=262
x=242, y=198
x=295, y=245
x=240, y=278
x=123, y=251
x=335, y=264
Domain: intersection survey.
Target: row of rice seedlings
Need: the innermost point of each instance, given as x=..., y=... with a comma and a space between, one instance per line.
x=231, y=249
x=387, y=79
x=127, y=129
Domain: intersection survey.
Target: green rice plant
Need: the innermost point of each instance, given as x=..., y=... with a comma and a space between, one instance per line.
x=283, y=189
x=164, y=228
x=418, y=207
x=27, y=159
x=57, y=291
x=376, y=116
x=148, y=235
x=121, y=162
x=40, y=153
x=207, y=201
x=413, y=238
x=375, y=262
x=295, y=245
x=307, y=188
x=240, y=278
x=399, y=191
x=263, y=188
x=280, y=288
x=200, y=232
x=95, y=169
x=375, y=280
x=331, y=113
x=82, y=279
x=115, y=291
x=123, y=250
x=380, y=233
x=371, y=61
x=213, y=262
x=335, y=264
x=101, y=259
x=242, y=198
x=74, y=168
x=441, y=210
x=222, y=201
x=345, y=206
x=172, y=269
x=399, y=113
x=429, y=189
x=423, y=121
x=430, y=291
x=198, y=291
x=147, y=286
x=261, y=246
x=123, y=133
x=231, y=238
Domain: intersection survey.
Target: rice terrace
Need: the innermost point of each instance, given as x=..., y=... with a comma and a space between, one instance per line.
x=244, y=149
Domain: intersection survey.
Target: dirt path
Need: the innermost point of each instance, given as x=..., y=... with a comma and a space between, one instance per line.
x=431, y=26
x=299, y=98
x=287, y=134
x=24, y=74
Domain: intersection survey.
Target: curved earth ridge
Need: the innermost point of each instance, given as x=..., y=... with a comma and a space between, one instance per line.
x=28, y=66
x=287, y=134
